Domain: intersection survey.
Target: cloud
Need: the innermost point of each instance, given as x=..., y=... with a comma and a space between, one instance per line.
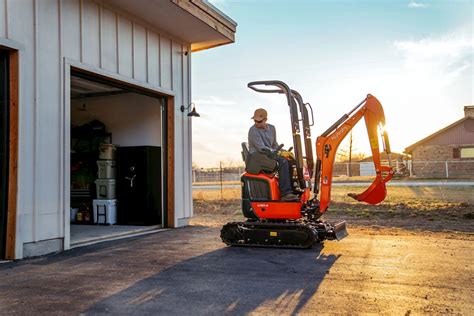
x=416, y=5
x=446, y=57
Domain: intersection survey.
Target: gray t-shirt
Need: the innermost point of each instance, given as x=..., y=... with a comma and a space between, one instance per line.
x=260, y=138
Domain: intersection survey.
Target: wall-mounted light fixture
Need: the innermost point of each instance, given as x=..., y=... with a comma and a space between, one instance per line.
x=193, y=111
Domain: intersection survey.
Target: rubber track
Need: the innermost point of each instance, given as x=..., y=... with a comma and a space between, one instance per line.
x=231, y=234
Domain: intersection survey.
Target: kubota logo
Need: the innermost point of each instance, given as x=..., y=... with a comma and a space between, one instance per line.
x=262, y=205
x=339, y=132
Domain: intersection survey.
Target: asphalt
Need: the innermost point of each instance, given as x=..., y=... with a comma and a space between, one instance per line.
x=190, y=272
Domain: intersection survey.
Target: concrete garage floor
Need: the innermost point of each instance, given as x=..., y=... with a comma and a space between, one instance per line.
x=82, y=235
x=190, y=272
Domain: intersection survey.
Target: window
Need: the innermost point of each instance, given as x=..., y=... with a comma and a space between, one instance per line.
x=456, y=153
x=467, y=152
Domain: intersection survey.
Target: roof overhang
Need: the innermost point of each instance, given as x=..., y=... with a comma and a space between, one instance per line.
x=196, y=22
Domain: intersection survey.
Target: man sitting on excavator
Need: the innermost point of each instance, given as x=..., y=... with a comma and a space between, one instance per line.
x=262, y=138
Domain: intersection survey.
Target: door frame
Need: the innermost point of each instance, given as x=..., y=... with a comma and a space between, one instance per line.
x=167, y=121
x=12, y=172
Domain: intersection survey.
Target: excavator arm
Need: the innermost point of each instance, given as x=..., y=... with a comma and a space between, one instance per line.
x=326, y=147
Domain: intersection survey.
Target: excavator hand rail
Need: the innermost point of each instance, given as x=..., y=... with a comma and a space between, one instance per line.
x=283, y=87
x=312, y=114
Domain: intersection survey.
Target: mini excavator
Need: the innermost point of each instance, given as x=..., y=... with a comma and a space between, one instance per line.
x=298, y=224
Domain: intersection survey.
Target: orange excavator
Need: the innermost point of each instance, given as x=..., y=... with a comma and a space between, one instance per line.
x=298, y=224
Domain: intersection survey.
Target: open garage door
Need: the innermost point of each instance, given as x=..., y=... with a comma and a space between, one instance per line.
x=118, y=153
x=4, y=146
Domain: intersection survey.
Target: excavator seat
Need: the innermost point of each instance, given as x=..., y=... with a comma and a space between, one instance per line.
x=257, y=162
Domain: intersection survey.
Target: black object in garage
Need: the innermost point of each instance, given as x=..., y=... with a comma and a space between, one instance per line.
x=139, y=185
x=4, y=147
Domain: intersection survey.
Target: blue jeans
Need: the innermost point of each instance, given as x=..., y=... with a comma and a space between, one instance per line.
x=283, y=176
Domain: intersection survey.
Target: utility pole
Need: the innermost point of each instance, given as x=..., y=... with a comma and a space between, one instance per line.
x=350, y=154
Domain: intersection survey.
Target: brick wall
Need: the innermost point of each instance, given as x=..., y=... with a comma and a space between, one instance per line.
x=433, y=153
x=429, y=161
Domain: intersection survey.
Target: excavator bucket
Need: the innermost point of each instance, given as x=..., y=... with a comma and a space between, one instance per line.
x=377, y=191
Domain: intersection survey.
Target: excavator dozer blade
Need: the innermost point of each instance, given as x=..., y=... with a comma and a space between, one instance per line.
x=337, y=231
x=340, y=230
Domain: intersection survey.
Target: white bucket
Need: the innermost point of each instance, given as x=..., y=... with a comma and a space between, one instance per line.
x=106, y=169
x=105, y=189
x=107, y=151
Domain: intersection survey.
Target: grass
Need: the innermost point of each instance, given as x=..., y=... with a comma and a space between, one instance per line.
x=415, y=196
x=430, y=208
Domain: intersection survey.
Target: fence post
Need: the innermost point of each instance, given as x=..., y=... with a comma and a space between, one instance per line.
x=348, y=173
x=194, y=176
x=447, y=169
x=220, y=177
x=410, y=167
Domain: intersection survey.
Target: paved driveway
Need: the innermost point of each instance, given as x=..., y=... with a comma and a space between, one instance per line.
x=190, y=272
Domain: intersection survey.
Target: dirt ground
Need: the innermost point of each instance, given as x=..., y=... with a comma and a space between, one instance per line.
x=406, y=257
x=189, y=271
x=411, y=254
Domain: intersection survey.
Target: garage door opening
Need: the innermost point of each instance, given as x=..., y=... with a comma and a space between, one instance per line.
x=4, y=146
x=117, y=158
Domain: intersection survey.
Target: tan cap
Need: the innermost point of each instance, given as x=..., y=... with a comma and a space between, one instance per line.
x=259, y=114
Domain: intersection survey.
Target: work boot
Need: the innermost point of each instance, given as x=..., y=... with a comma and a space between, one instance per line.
x=290, y=197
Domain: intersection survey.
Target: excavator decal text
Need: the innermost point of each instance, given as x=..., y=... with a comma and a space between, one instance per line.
x=339, y=132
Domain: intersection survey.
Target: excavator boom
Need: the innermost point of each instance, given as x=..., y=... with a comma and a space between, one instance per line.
x=326, y=147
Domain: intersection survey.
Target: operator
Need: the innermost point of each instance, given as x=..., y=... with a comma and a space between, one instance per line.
x=262, y=138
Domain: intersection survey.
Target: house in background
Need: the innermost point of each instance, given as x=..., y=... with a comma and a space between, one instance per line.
x=124, y=63
x=448, y=152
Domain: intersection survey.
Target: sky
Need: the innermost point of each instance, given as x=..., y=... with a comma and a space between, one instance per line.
x=416, y=57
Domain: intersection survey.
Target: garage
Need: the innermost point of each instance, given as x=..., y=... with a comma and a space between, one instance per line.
x=89, y=77
x=117, y=160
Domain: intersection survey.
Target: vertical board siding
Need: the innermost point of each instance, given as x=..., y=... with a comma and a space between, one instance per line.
x=90, y=33
x=109, y=43
x=48, y=119
x=71, y=29
x=186, y=148
x=21, y=29
x=125, y=47
x=187, y=135
x=153, y=41
x=82, y=31
x=177, y=65
x=165, y=62
x=3, y=19
x=189, y=158
x=139, y=53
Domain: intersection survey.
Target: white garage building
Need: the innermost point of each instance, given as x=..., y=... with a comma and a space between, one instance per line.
x=64, y=63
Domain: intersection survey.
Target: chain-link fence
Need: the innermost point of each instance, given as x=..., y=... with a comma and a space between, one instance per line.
x=459, y=169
